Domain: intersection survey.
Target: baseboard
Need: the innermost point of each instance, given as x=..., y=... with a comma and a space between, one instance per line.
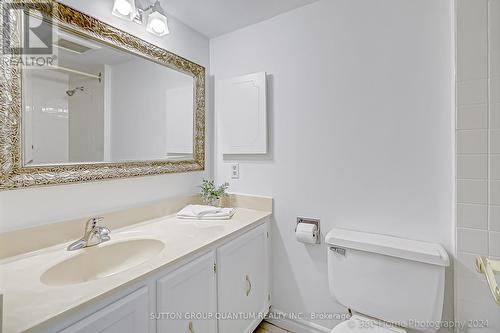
x=295, y=325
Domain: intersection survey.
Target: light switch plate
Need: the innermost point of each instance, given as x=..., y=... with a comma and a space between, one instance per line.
x=235, y=171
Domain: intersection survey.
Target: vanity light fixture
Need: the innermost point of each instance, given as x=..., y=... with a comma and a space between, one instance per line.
x=156, y=22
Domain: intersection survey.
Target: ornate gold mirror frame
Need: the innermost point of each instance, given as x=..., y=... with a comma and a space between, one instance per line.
x=13, y=174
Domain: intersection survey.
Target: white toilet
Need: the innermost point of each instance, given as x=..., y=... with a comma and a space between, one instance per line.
x=389, y=283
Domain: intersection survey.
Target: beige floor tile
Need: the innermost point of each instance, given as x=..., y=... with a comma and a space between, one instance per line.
x=260, y=330
x=268, y=328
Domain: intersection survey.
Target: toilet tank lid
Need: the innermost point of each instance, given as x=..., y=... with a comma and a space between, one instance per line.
x=430, y=253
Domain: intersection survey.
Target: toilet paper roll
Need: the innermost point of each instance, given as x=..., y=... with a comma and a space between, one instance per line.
x=307, y=233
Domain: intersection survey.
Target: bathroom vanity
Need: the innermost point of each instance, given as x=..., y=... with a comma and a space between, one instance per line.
x=160, y=275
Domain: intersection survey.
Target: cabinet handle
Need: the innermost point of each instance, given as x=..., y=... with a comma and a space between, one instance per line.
x=190, y=327
x=249, y=289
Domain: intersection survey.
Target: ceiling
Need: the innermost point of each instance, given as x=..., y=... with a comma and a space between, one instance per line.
x=213, y=18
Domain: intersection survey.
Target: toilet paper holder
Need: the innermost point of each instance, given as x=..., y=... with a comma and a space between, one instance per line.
x=308, y=220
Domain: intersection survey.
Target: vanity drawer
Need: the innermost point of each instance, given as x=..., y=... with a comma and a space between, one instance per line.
x=129, y=314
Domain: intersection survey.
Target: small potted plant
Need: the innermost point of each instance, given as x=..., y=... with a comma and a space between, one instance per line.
x=211, y=194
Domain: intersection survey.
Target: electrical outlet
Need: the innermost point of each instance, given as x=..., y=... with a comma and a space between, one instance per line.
x=235, y=171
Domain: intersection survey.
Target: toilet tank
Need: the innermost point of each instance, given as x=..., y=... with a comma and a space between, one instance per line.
x=392, y=279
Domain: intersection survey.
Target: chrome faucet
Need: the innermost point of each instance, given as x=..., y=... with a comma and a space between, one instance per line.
x=93, y=235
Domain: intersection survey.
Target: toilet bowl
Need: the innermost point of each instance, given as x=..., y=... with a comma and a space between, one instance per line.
x=384, y=279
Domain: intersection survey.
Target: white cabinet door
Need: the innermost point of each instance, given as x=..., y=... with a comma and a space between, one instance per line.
x=129, y=314
x=243, y=281
x=187, y=296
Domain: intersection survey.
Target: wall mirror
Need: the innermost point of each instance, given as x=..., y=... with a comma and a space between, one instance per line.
x=111, y=106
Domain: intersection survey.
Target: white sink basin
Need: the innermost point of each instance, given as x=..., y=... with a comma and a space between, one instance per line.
x=101, y=261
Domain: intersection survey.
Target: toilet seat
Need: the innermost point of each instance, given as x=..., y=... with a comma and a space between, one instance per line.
x=361, y=324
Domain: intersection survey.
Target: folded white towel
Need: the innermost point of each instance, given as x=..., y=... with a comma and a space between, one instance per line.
x=201, y=212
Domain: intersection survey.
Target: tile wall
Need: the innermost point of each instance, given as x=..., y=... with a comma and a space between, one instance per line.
x=478, y=158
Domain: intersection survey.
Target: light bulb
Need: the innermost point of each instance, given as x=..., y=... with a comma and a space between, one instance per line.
x=157, y=26
x=123, y=7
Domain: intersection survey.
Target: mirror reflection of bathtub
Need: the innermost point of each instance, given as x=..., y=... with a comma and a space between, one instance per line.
x=102, y=104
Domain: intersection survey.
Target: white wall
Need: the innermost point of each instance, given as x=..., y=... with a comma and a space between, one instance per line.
x=478, y=159
x=22, y=208
x=361, y=128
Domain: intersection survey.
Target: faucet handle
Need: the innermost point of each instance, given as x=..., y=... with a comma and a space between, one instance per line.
x=91, y=225
x=103, y=233
x=92, y=222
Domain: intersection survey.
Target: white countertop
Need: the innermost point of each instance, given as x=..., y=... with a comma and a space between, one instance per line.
x=29, y=304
